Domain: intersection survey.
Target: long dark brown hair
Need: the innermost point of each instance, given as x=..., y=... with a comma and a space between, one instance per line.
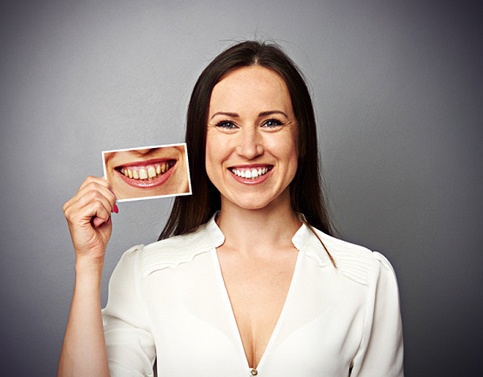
x=307, y=196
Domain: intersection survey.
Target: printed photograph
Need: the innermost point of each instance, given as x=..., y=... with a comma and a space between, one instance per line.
x=147, y=172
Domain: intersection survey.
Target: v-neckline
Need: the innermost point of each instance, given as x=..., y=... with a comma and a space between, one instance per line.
x=231, y=313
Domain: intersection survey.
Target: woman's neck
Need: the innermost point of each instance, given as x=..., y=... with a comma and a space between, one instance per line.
x=258, y=230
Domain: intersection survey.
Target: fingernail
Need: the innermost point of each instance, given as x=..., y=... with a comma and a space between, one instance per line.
x=115, y=209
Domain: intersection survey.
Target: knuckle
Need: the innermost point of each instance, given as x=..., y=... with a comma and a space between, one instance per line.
x=93, y=195
x=90, y=179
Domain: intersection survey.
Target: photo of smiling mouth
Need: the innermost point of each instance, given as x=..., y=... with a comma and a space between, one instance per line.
x=146, y=174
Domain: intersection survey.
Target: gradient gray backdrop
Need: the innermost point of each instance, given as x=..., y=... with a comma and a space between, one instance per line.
x=397, y=87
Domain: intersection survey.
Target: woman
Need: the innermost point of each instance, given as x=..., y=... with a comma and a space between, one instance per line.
x=246, y=286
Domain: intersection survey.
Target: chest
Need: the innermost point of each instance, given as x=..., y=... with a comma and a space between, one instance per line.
x=257, y=291
x=315, y=326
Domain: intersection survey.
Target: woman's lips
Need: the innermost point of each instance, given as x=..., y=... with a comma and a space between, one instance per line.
x=251, y=174
x=146, y=174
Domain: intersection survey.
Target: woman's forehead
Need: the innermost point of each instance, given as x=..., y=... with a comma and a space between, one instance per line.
x=253, y=86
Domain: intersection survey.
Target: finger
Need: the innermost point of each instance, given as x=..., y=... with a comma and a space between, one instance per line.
x=92, y=191
x=102, y=214
x=88, y=205
x=96, y=180
x=88, y=184
x=97, y=221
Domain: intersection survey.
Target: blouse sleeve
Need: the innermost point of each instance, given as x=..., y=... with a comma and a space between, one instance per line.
x=130, y=346
x=381, y=350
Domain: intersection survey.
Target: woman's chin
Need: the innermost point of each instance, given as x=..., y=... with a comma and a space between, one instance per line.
x=252, y=203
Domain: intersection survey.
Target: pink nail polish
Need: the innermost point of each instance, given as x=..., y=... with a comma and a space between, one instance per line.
x=115, y=209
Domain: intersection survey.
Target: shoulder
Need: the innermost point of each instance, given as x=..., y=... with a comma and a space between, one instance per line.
x=174, y=251
x=353, y=261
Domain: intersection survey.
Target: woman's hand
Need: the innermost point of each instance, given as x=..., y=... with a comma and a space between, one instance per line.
x=88, y=216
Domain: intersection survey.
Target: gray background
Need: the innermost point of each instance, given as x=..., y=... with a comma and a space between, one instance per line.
x=397, y=87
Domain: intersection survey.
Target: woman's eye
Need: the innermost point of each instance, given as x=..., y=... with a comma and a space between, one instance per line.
x=226, y=125
x=272, y=123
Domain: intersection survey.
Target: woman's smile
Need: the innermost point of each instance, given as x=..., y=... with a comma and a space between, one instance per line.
x=252, y=174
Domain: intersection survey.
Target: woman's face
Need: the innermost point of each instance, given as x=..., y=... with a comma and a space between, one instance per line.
x=141, y=173
x=251, y=144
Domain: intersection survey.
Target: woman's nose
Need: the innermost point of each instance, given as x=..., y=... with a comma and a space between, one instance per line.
x=249, y=143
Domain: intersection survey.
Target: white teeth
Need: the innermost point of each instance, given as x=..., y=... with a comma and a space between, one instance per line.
x=250, y=173
x=148, y=172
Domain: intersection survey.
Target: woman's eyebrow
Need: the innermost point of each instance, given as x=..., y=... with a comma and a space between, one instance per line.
x=272, y=112
x=262, y=114
x=226, y=114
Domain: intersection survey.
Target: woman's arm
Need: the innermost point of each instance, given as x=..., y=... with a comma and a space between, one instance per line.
x=381, y=350
x=88, y=217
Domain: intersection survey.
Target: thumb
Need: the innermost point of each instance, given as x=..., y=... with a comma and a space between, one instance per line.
x=97, y=221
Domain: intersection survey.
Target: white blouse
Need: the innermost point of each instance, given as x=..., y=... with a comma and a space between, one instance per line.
x=168, y=302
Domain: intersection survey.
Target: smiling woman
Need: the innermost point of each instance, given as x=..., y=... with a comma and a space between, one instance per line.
x=247, y=278
x=148, y=172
